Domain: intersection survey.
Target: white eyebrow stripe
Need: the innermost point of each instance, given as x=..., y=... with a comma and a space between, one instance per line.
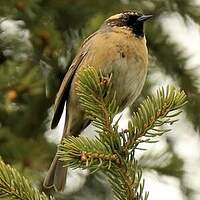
x=117, y=16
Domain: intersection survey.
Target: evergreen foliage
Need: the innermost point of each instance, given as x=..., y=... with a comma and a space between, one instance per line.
x=113, y=152
x=15, y=186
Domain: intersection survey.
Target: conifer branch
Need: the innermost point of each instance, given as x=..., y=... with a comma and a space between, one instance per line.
x=15, y=186
x=94, y=92
x=98, y=102
x=152, y=114
x=86, y=153
x=113, y=151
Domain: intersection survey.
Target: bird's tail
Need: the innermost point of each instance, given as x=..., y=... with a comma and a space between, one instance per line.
x=56, y=176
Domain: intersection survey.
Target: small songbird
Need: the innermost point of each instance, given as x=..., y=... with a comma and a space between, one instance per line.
x=118, y=47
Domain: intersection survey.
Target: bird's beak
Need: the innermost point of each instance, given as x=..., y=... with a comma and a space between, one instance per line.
x=144, y=18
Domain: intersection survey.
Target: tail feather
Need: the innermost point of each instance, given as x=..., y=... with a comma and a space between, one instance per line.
x=56, y=176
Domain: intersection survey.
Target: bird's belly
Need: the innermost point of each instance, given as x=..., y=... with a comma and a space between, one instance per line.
x=128, y=81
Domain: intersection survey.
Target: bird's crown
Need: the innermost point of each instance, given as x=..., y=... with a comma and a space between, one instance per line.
x=124, y=15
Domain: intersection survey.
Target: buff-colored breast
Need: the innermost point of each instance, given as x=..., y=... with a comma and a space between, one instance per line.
x=125, y=56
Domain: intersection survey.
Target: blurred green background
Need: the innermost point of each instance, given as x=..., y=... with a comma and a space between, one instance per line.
x=39, y=39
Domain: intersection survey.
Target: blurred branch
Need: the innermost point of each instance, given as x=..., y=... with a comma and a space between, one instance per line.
x=15, y=186
x=173, y=62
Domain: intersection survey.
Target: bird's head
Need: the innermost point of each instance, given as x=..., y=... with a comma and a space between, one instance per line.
x=130, y=19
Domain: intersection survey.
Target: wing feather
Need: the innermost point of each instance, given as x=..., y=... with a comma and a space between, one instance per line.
x=63, y=93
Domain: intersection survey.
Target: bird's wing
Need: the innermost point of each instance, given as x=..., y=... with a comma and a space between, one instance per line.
x=63, y=92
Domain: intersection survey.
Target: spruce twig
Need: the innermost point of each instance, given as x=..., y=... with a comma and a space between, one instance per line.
x=113, y=151
x=15, y=186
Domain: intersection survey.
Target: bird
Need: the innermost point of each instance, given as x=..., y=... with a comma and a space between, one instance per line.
x=119, y=48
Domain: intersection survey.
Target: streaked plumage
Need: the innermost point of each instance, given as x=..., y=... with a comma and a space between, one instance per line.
x=118, y=47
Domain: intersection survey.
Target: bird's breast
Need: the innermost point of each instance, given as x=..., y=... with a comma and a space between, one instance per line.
x=125, y=57
x=129, y=76
x=129, y=70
